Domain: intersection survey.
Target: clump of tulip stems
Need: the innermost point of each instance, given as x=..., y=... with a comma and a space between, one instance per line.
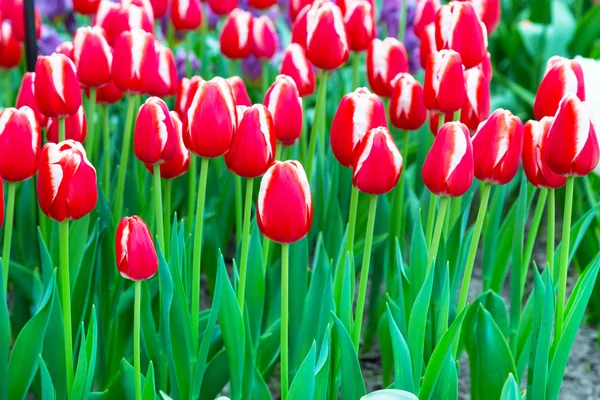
x=245, y=243
x=564, y=259
x=92, y=140
x=319, y=116
x=106, y=144
x=131, y=102
x=285, y=284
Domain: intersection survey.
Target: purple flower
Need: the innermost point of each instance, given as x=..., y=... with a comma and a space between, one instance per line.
x=53, y=8
x=390, y=20
x=181, y=63
x=252, y=68
x=49, y=40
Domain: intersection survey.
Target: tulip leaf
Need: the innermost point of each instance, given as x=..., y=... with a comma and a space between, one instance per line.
x=353, y=384
x=510, y=390
x=149, y=390
x=127, y=380
x=492, y=224
x=78, y=237
x=588, y=30
x=390, y=394
x=77, y=390
x=47, y=387
x=323, y=366
x=216, y=376
x=268, y=347
x=418, y=263
x=303, y=384
x=403, y=374
x=255, y=285
x=5, y=333
x=299, y=263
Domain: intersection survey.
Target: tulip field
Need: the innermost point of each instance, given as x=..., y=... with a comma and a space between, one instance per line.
x=299, y=199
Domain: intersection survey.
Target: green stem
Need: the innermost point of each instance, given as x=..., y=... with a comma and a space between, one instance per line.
x=196, y=267
x=167, y=215
x=402, y=22
x=397, y=224
x=355, y=69
x=201, y=44
x=91, y=123
x=245, y=243
x=550, y=231
x=464, y=290
x=8, y=91
x=107, y=161
x=63, y=242
x=136, y=340
x=430, y=218
x=319, y=110
x=8, y=228
x=437, y=234
x=265, y=77
x=266, y=250
x=303, y=146
x=61, y=129
x=364, y=273
x=158, y=209
x=533, y=230
x=192, y=189
x=285, y=253
x=232, y=67
x=132, y=100
x=238, y=207
x=189, y=52
x=564, y=259
x=352, y=220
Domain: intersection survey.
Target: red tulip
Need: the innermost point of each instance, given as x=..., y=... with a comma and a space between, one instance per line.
x=358, y=112
x=26, y=97
x=448, y=168
x=407, y=108
x=159, y=8
x=476, y=107
x=344, y=5
x=136, y=255
x=434, y=121
x=284, y=209
x=534, y=163
x=444, y=86
x=377, y=162
x=66, y=48
x=385, y=60
x=86, y=7
x=562, y=77
x=108, y=94
x=457, y=27
x=425, y=12
x=489, y=13
x=253, y=148
x=240, y=93
x=181, y=98
x=134, y=62
x=236, y=35
x=486, y=66
x=92, y=56
x=154, y=137
x=10, y=47
x=211, y=119
x=497, y=148
x=360, y=25
x=265, y=41
x=18, y=21
x=165, y=83
x=301, y=24
x=261, y=4
x=285, y=105
x=139, y=15
x=326, y=38
x=180, y=163
x=295, y=65
x=112, y=18
x=66, y=184
x=222, y=7
x=296, y=6
x=186, y=15
x=75, y=127
x=571, y=147
x=20, y=142
x=57, y=90
x=427, y=45
x=185, y=101
x=145, y=5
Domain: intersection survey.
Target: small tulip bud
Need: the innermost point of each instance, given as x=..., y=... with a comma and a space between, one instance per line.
x=535, y=166
x=444, y=87
x=154, y=138
x=20, y=142
x=385, y=60
x=135, y=251
x=92, y=56
x=285, y=105
x=57, y=90
x=407, y=108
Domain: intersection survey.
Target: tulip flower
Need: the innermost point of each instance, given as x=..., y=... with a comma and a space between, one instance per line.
x=295, y=64
x=10, y=47
x=109, y=94
x=444, y=87
x=486, y=67
x=261, y=4
x=66, y=48
x=489, y=12
x=457, y=27
x=75, y=127
x=57, y=91
x=535, y=165
x=326, y=39
x=18, y=21
x=159, y=8
x=562, y=77
x=476, y=107
x=240, y=93
x=181, y=97
x=425, y=13
x=26, y=97
x=236, y=35
x=296, y=7
x=427, y=45
x=265, y=41
x=385, y=60
x=222, y=7
x=136, y=260
x=285, y=105
x=407, y=107
x=344, y=5
x=186, y=15
x=86, y=7
x=180, y=162
x=134, y=62
x=92, y=56
x=360, y=25
x=165, y=83
x=300, y=26
x=113, y=19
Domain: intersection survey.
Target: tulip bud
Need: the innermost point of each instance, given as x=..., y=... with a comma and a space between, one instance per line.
x=108, y=94
x=497, y=148
x=154, y=137
x=326, y=38
x=86, y=7
x=66, y=184
x=407, y=108
x=17, y=19
x=448, y=168
x=284, y=209
x=344, y=5
x=444, y=87
x=180, y=163
x=186, y=15
x=253, y=148
x=235, y=38
x=301, y=24
x=265, y=41
x=181, y=98
x=134, y=62
x=134, y=248
x=185, y=101
x=20, y=142
x=486, y=66
x=261, y=4
x=571, y=147
x=296, y=6
x=377, y=162
x=427, y=45
x=240, y=93
x=295, y=65
x=457, y=27
x=222, y=7
x=139, y=15
x=385, y=60
x=92, y=56
x=211, y=119
x=112, y=19
x=159, y=8
x=358, y=112
x=26, y=97
x=66, y=48
x=489, y=13
x=360, y=25
x=10, y=47
x=562, y=77
x=75, y=127
x=57, y=90
x=165, y=84
x=425, y=12
x=534, y=163
x=285, y=105
x=476, y=107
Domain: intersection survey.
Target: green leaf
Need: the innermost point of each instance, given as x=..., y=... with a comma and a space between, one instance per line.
x=403, y=377
x=149, y=389
x=577, y=233
x=418, y=262
x=353, y=384
x=127, y=380
x=5, y=335
x=323, y=366
x=303, y=385
x=47, y=391
x=588, y=30
x=510, y=390
x=216, y=376
x=255, y=285
x=24, y=359
x=390, y=394
x=542, y=336
x=81, y=370
x=299, y=263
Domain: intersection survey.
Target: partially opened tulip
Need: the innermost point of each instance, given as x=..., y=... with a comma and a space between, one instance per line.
x=425, y=13
x=26, y=97
x=444, y=87
x=57, y=90
x=476, y=107
x=360, y=25
x=165, y=82
x=326, y=39
x=240, y=93
x=235, y=38
x=285, y=106
x=75, y=127
x=295, y=64
x=10, y=47
x=385, y=60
